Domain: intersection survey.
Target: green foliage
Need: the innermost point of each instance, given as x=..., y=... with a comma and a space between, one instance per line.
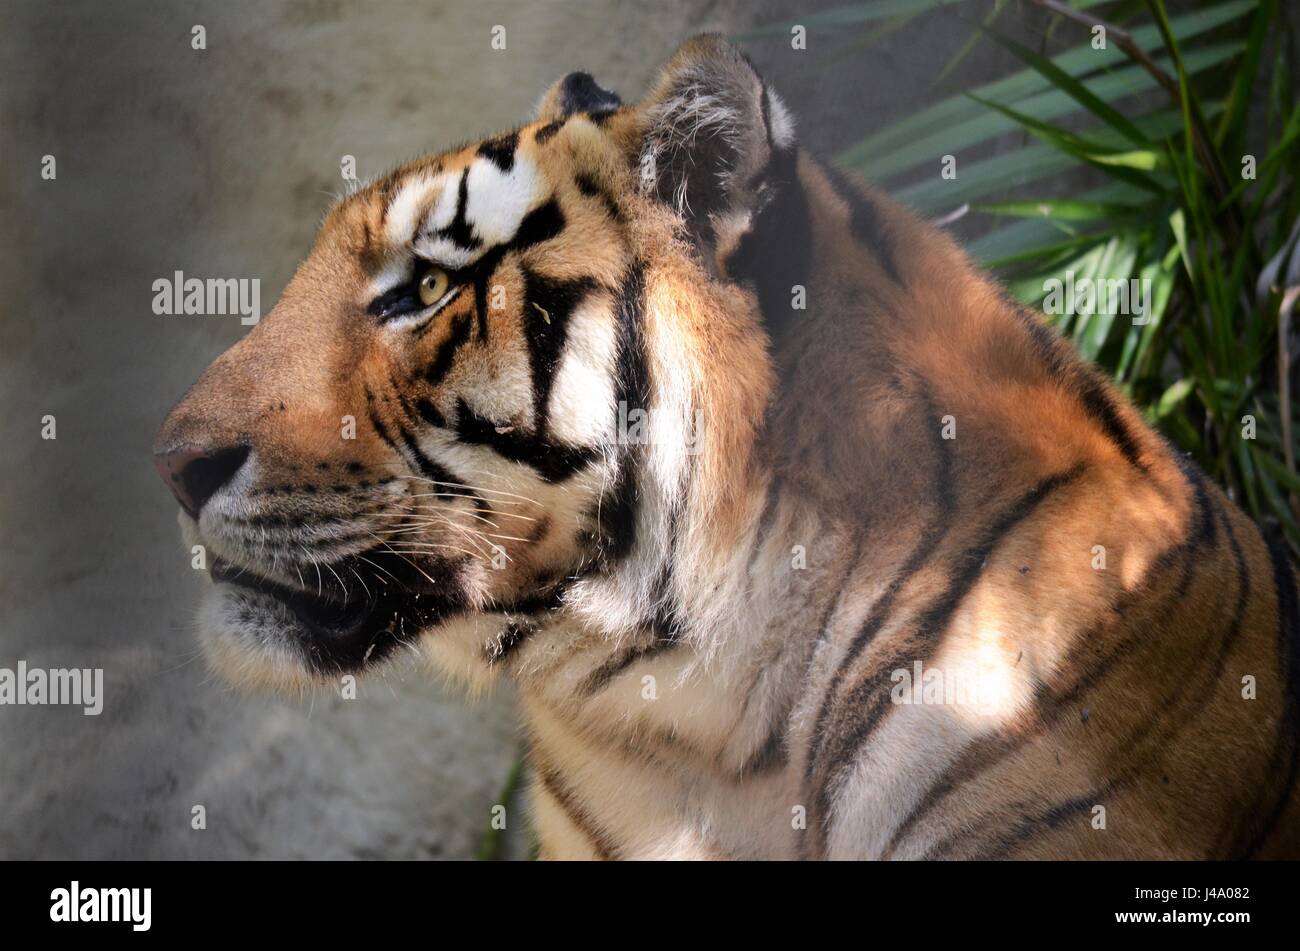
x=1161, y=121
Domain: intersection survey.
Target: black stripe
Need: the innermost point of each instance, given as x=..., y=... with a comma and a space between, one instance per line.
x=615, y=517
x=1205, y=531
x=555, y=463
x=868, y=694
x=509, y=639
x=548, y=303
x=1045, y=821
x=774, y=752
x=501, y=150
x=552, y=461
x=548, y=598
x=1154, y=735
x=1100, y=406
x=432, y=470
x=441, y=365
x=460, y=231
x=945, y=504
x=1285, y=760
x=543, y=223
x=430, y=413
x=484, y=268
x=1084, y=383
x=770, y=755
x=604, y=675
x=934, y=621
x=588, y=185
x=766, y=518
x=547, y=132
x=601, y=843
x=1047, y=342
x=776, y=253
x=1051, y=703
x=666, y=619
x=632, y=373
x=616, y=511
x=1157, y=731
x=426, y=466
x=864, y=221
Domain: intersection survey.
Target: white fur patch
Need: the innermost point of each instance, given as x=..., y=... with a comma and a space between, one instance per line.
x=499, y=200
x=582, y=394
x=495, y=205
x=446, y=252
x=390, y=276
x=780, y=121
x=407, y=207
x=444, y=209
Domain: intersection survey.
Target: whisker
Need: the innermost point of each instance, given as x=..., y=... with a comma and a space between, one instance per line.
x=363, y=583
x=338, y=579
x=453, y=495
x=449, y=508
x=380, y=567
x=473, y=536
x=473, y=488
x=320, y=585
x=432, y=548
x=399, y=554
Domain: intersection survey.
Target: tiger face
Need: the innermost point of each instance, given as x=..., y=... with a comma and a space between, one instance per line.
x=424, y=440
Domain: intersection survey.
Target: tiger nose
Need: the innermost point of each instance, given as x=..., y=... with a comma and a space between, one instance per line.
x=195, y=473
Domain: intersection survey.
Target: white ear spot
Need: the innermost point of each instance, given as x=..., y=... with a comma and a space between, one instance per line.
x=782, y=123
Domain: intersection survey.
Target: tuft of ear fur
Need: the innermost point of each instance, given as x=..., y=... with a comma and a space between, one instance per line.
x=711, y=131
x=576, y=92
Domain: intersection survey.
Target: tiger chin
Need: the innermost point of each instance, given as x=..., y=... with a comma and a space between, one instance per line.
x=713, y=452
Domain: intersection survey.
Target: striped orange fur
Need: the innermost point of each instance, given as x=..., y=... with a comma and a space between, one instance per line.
x=714, y=536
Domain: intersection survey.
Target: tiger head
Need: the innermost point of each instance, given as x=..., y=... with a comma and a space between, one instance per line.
x=509, y=381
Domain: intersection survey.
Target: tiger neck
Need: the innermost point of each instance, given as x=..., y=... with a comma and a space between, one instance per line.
x=738, y=542
x=733, y=521
x=725, y=546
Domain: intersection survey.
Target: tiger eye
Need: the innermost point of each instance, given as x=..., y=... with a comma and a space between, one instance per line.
x=433, y=285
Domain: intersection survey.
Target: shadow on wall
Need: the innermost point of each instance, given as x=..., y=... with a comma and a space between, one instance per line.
x=220, y=163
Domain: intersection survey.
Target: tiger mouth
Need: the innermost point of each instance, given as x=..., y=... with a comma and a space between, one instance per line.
x=341, y=630
x=326, y=613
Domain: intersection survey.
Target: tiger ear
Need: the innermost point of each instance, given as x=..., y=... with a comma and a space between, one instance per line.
x=576, y=92
x=712, y=130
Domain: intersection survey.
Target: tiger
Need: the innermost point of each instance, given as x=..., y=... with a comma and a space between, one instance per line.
x=796, y=536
